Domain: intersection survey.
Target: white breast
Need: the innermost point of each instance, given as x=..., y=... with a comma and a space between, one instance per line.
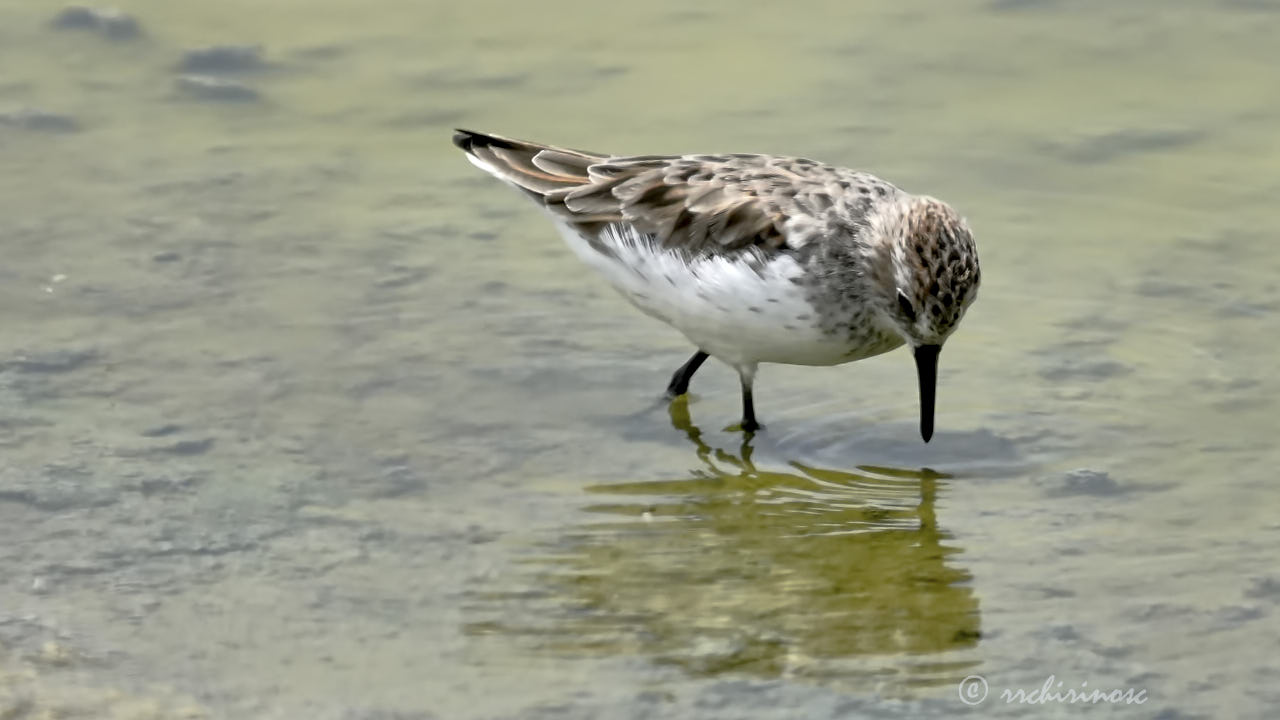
x=740, y=313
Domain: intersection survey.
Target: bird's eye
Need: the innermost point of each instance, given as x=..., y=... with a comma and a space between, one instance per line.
x=905, y=305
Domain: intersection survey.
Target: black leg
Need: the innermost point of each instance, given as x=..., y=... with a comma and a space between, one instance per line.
x=680, y=381
x=749, y=423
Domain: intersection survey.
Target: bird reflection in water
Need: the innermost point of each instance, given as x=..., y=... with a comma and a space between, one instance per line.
x=795, y=571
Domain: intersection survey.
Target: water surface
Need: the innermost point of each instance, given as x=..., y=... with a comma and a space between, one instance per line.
x=302, y=416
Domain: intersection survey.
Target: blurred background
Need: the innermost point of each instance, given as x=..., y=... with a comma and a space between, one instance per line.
x=303, y=416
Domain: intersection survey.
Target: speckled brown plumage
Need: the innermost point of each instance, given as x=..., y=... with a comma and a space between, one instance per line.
x=756, y=258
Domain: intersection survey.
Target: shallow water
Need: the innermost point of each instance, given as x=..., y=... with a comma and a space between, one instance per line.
x=302, y=416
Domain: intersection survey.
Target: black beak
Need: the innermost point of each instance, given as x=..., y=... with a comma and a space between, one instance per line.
x=927, y=370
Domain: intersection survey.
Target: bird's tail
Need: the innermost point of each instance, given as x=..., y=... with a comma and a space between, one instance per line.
x=537, y=169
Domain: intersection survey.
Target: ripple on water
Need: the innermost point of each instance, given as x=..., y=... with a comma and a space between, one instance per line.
x=846, y=442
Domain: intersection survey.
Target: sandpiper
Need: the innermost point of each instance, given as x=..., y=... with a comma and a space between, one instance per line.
x=757, y=258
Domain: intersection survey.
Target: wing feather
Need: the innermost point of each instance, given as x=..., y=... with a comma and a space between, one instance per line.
x=698, y=204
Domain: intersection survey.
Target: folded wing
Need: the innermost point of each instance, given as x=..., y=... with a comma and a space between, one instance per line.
x=699, y=204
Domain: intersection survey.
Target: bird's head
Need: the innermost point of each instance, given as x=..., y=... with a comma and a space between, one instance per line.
x=931, y=278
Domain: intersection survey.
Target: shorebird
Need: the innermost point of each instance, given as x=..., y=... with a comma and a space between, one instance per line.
x=757, y=258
